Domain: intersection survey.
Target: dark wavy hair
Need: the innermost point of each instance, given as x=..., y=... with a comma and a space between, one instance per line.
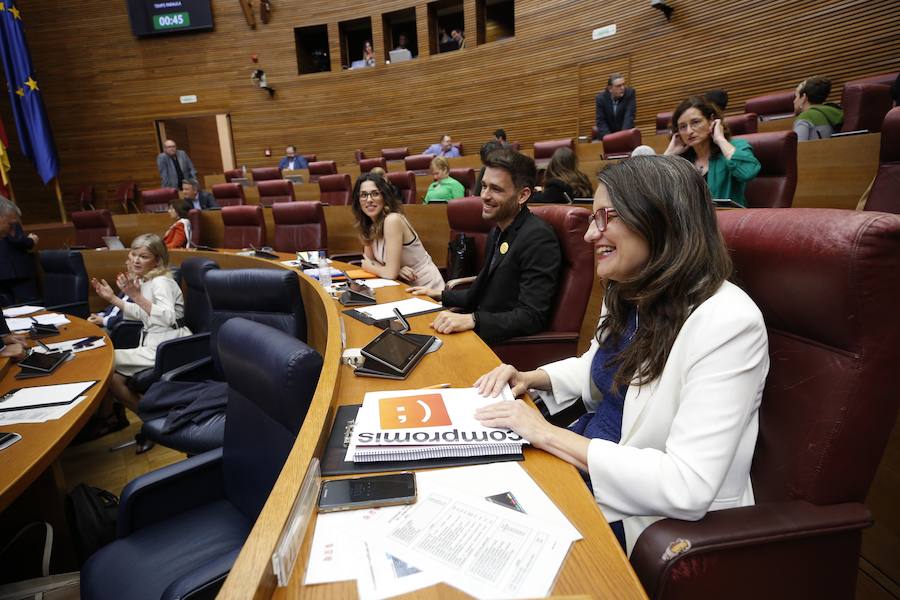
x=709, y=110
x=182, y=207
x=666, y=201
x=368, y=229
x=564, y=167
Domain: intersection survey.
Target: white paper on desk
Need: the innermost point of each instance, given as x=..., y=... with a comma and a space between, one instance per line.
x=483, y=549
x=38, y=415
x=69, y=345
x=21, y=323
x=21, y=311
x=336, y=552
x=408, y=307
x=383, y=575
x=378, y=283
x=44, y=395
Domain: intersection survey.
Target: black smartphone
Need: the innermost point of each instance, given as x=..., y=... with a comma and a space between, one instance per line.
x=86, y=341
x=368, y=492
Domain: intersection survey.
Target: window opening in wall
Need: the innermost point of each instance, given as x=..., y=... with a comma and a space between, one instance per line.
x=399, y=28
x=312, y=49
x=446, y=26
x=496, y=20
x=357, y=47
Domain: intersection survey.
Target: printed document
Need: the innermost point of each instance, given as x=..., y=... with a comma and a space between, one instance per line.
x=21, y=311
x=407, y=308
x=23, y=323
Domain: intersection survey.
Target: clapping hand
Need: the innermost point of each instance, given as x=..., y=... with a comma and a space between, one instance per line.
x=103, y=289
x=130, y=287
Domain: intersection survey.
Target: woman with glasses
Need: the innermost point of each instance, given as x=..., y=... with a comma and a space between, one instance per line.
x=673, y=378
x=701, y=136
x=391, y=247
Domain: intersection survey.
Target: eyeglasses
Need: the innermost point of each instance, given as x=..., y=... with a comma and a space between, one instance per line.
x=693, y=124
x=375, y=195
x=602, y=217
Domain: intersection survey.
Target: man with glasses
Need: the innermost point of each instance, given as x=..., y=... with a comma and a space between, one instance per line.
x=174, y=166
x=516, y=288
x=615, y=106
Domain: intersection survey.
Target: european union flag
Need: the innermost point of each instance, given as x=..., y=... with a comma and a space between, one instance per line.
x=25, y=95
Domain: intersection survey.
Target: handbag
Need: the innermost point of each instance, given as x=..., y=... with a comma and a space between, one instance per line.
x=461, y=257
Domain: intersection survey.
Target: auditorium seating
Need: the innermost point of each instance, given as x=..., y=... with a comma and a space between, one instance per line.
x=464, y=217
x=664, y=123
x=126, y=196
x=86, y=198
x=265, y=174
x=394, y=153
x=560, y=339
x=180, y=528
x=621, y=143
x=777, y=105
x=514, y=146
x=299, y=226
x=543, y=151
x=64, y=282
x=742, y=124
x=335, y=189
x=466, y=177
x=310, y=158
x=229, y=194
x=826, y=283
x=459, y=147
x=865, y=105
x=275, y=190
x=887, y=79
x=776, y=182
x=883, y=195
x=233, y=174
x=359, y=155
x=157, y=201
x=319, y=168
x=367, y=164
x=90, y=227
x=405, y=182
x=194, y=220
x=243, y=226
x=420, y=164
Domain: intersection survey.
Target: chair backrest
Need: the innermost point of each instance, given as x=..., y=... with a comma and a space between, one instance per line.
x=742, y=124
x=774, y=187
x=664, y=122
x=194, y=220
x=65, y=280
x=322, y=167
x=883, y=195
x=621, y=143
x=299, y=226
x=157, y=200
x=405, y=181
x=459, y=147
x=265, y=173
x=242, y=226
x=882, y=79
x=86, y=198
x=126, y=196
x=514, y=146
x=464, y=216
x=546, y=148
x=466, y=177
x=570, y=224
x=359, y=155
x=274, y=191
x=233, y=174
x=310, y=158
x=420, y=164
x=268, y=296
x=335, y=189
x=865, y=105
x=90, y=227
x=271, y=377
x=196, y=302
x=367, y=164
x=229, y=194
x=394, y=153
x=774, y=105
x=826, y=283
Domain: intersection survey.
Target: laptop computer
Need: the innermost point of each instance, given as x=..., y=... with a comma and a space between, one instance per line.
x=400, y=55
x=113, y=242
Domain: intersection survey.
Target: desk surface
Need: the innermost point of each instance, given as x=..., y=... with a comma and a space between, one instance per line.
x=41, y=443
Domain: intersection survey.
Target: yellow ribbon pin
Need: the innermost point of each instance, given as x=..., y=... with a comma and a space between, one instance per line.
x=504, y=248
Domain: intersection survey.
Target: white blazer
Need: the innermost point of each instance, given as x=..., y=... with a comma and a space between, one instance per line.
x=688, y=436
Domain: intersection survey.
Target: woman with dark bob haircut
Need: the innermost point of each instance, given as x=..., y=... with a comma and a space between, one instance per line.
x=700, y=135
x=391, y=247
x=674, y=377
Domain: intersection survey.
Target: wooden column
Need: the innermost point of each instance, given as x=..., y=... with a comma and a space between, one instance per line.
x=424, y=38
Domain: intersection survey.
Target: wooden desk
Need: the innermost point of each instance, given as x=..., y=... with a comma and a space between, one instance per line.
x=41, y=443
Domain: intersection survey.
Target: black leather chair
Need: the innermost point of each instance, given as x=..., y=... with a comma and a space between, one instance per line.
x=267, y=296
x=65, y=282
x=181, y=527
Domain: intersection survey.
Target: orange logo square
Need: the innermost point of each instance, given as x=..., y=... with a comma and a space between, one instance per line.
x=413, y=411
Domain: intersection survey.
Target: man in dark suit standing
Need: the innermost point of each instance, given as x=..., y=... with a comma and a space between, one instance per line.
x=616, y=106
x=514, y=292
x=190, y=190
x=174, y=166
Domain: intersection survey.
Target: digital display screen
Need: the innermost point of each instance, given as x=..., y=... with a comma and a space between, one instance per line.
x=157, y=17
x=393, y=349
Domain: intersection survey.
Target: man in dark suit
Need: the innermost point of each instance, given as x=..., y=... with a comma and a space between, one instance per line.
x=190, y=190
x=17, y=274
x=616, y=106
x=174, y=166
x=516, y=288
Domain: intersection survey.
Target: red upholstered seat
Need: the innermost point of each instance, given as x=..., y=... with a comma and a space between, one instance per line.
x=86, y=197
x=405, y=181
x=335, y=189
x=90, y=227
x=420, y=164
x=310, y=158
x=514, y=146
x=546, y=148
x=621, y=143
x=278, y=190
x=865, y=105
x=772, y=106
x=126, y=196
x=467, y=178
x=742, y=124
x=464, y=216
x=776, y=152
x=394, y=153
x=560, y=339
x=194, y=219
x=884, y=195
x=367, y=164
x=826, y=283
x=233, y=174
x=359, y=155
x=460, y=148
x=322, y=167
x=299, y=226
x=229, y=194
x=883, y=79
x=265, y=173
x=664, y=122
x=157, y=201
x=243, y=226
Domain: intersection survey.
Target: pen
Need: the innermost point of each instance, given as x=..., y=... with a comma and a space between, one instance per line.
x=437, y=386
x=43, y=345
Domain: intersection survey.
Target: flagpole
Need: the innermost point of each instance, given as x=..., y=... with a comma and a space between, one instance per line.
x=59, y=200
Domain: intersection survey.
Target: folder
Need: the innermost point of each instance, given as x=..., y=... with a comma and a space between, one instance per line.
x=43, y=395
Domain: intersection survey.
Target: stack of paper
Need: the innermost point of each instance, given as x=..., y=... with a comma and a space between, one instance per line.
x=429, y=423
x=23, y=323
x=21, y=311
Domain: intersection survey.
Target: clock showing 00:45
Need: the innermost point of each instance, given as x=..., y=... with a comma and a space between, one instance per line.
x=172, y=21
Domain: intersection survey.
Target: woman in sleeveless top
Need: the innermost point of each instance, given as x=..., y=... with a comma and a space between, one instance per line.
x=391, y=247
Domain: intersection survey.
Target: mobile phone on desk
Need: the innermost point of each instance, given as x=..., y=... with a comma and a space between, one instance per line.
x=368, y=492
x=86, y=341
x=8, y=438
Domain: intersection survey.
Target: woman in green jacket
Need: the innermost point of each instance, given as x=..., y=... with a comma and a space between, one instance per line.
x=701, y=137
x=444, y=187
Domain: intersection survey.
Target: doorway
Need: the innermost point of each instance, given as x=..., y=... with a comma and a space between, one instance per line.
x=206, y=139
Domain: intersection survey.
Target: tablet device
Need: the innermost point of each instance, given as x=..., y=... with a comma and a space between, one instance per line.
x=357, y=294
x=395, y=350
x=43, y=362
x=373, y=368
x=113, y=242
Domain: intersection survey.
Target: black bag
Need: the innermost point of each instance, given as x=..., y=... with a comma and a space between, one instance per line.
x=91, y=513
x=461, y=257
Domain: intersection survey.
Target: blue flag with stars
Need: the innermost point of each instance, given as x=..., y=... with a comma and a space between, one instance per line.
x=25, y=96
